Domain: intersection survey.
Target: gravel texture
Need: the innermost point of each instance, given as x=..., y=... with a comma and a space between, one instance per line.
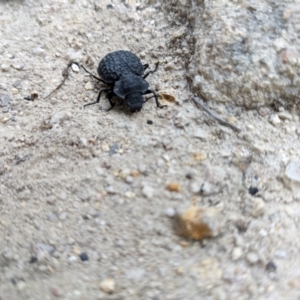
x=88, y=198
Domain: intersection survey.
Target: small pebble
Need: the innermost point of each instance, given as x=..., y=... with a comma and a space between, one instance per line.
x=15, y=91
x=42, y=251
x=38, y=51
x=174, y=187
x=199, y=222
x=129, y=195
x=88, y=86
x=285, y=116
x=105, y=147
x=274, y=119
x=56, y=292
x=72, y=258
x=148, y=191
x=62, y=216
x=4, y=100
x=4, y=67
x=280, y=253
x=21, y=285
x=113, y=149
x=252, y=258
x=83, y=256
x=259, y=207
x=108, y=285
x=271, y=267
x=253, y=190
x=142, y=169
x=18, y=66
x=75, y=68
x=129, y=179
x=110, y=190
x=236, y=253
x=195, y=187
x=189, y=175
x=150, y=122
x=292, y=171
x=170, y=212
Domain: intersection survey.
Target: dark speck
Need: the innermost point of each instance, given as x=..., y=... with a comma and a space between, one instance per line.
x=241, y=225
x=253, y=190
x=270, y=266
x=109, y=6
x=150, y=122
x=189, y=175
x=32, y=260
x=113, y=149
x=83, y=256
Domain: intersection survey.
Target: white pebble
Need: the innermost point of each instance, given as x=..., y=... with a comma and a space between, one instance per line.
x=108, y=285
x=110, y=190
x=292, y=171
x=129, y=179
x=274, y=119
x=236, y=253
x=280, y=254
x=252, y=258
x=75, y=68
x=88, y=86
x=21, y=285
x=15, y=91
x=285, y=116
x=195, y=187
x=84, y=142
x=38, y=51
x=4, y=67
x=72, y=258
x=148, y=191
x=170, y=212
x=197, y=81
x=259, y=207
x=18, y=66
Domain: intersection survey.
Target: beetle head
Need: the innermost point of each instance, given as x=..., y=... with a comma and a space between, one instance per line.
x=135, y=101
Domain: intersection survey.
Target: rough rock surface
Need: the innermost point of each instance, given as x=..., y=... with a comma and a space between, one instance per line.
x=246, y=52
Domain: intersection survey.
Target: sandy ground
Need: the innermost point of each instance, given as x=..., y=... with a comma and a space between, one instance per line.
x=86, y=182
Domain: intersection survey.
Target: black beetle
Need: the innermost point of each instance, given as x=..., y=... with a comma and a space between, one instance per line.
x=123, y=71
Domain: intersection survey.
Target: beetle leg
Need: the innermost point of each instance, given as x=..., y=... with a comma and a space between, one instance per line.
x=151, y=72
x=156, y=100
x=95, y=76
x=148, y=99
x=145, y=66
x=98, y=98
x=109, y=96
